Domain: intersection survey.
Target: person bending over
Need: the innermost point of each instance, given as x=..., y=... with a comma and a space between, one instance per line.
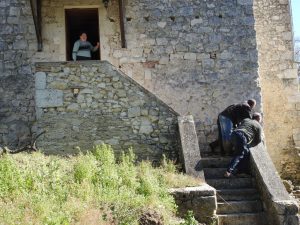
x=248, y=134
x=82, y=48
x=228, y=120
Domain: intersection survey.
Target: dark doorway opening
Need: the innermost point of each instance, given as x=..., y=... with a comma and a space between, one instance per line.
x=81, y=20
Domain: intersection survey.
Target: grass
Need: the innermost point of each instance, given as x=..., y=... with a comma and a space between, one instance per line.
x=86, y=189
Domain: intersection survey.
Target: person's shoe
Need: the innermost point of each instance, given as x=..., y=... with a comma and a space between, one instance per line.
x=228, y=175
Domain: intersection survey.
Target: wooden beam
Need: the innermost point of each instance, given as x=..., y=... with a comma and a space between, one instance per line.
x=122, y=24
x=36, y=8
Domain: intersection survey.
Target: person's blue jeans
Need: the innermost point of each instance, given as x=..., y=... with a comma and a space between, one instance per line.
x=226, y=127
x=239, y=142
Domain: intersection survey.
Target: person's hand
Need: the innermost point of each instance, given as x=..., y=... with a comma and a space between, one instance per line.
x=98, y=45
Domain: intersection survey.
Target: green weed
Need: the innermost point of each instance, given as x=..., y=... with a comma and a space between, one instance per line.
x=50, y=190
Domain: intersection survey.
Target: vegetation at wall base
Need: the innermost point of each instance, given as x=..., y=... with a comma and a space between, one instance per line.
x=86, y=189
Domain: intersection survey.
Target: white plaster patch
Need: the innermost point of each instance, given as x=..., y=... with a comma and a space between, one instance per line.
x=48, y=98
x=40, y=80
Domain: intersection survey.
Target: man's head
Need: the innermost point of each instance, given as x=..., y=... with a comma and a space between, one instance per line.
x=257, y=116
x=251, y=103
x=83, y=36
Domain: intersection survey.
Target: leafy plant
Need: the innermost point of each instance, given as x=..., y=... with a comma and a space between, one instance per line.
x=189, y=219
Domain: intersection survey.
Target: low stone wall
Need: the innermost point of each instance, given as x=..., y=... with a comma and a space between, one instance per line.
x=109, y=108
x=201, y=200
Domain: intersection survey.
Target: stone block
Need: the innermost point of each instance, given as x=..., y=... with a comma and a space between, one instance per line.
x=74, y=107
x=164, y=60
x=121, y=93
x=67, y=71
x=118, y=54
x=40, y=80
x=287, y=36
x=20, y=44
x=134, y=112
x=112, y=141
x=60, y=85
x=204, y=206
x=290, y=74
x=196, y=21
x=13, y=20
x=287, y=207
x=148, y=74
x=48, y=98
x=202, y=190
x=14, y=11
x=146, y=126
x=201, y=200
x=245, y=2
x=87, y=91
x=176, y=56
x=208, y=63
x=137, y=52
x=181, y=48
x=190, y=56
x=190, y=147
x=161, y=24
x=161, y=41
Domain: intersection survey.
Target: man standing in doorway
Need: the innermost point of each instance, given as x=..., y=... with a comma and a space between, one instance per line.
x=82, y=48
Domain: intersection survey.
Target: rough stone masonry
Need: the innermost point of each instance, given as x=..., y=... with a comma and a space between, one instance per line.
x=109, y=108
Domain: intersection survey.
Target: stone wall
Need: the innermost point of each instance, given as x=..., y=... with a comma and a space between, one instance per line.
x=53, y=22
x=279, y=82
x=201, y=200
x=17, y=45
x=110, y=108
x=197, y=56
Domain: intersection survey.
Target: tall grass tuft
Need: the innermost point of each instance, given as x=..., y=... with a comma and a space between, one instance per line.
x=89, y=189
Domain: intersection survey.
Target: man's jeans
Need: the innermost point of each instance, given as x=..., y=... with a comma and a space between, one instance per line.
x=226, y=129
x=239, y=142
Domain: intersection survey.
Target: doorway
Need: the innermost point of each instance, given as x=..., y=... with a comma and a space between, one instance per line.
x=81, y=20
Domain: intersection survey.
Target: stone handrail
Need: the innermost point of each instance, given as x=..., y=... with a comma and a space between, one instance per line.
x=280, y=207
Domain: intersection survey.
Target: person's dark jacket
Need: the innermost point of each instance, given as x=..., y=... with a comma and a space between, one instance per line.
x=237, y=112
x=252, y=130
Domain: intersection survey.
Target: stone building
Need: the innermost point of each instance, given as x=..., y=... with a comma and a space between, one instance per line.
x=196, y=56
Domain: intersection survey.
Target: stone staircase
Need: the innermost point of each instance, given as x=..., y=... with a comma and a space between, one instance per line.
x=237, y=198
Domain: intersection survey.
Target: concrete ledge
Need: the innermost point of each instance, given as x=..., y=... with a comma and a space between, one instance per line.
x=201, y=200
x=204, y=190
x=280, y=207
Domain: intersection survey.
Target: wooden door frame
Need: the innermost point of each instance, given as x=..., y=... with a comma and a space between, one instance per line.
x=96, y=7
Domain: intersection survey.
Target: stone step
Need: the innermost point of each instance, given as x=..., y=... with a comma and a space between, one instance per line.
x=237, y=194
x=214, y=172
x=219, y=173
x=231, y=207
x=230, y=183
x=242, y=219
x=215, y=162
